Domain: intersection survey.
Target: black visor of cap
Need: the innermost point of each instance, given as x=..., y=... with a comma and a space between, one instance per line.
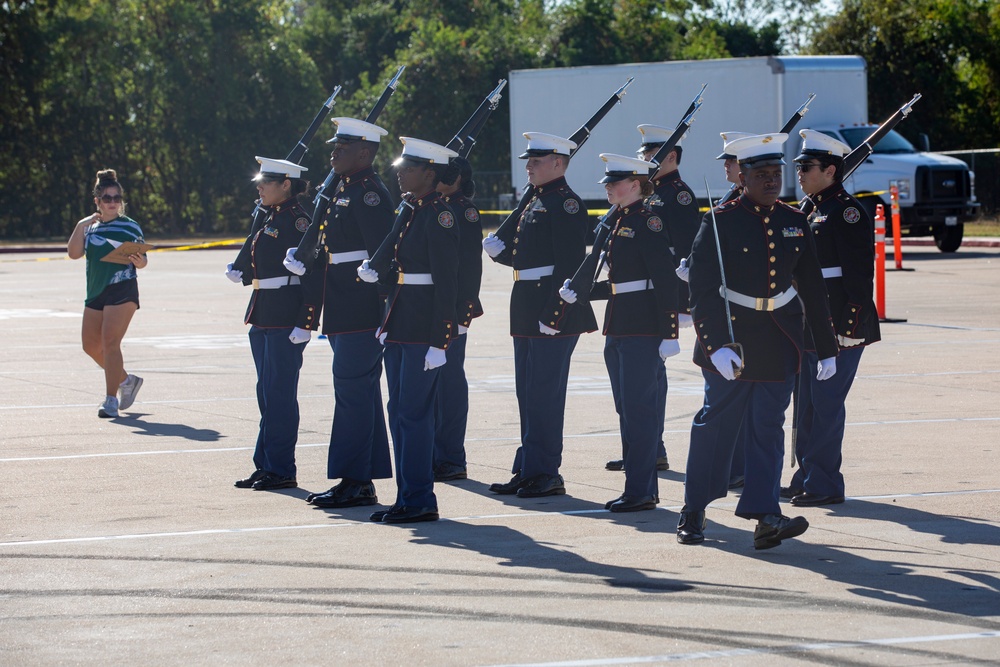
x=768, y=160
x=811, y=153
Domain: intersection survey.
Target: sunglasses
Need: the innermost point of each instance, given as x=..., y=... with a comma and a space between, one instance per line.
x=111, y=199
x=804, y=167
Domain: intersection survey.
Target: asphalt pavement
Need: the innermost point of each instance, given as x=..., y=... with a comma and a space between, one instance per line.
x=124, y=541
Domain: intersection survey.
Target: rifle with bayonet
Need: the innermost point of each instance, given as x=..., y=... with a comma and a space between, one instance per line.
x=307, y=249
x=785, y=129
x=242, y=262
x=589, y=270
x=856, y=158
x=506, y=229
x=462, y=143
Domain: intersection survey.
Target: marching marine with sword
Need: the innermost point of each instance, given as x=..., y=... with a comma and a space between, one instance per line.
x=748, y=323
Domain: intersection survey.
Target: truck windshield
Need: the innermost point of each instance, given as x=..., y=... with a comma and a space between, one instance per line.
x=893, y=142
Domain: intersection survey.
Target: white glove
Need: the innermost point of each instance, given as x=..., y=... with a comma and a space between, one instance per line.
x=826, y=368
x=726, y=362
x=566, y=294
x=493, y=246
x=462, y=330
x=434, y=358
x=366, y=274
x=548, y=331
x=299, y=336
x=292, y=264
x=669, y=347
x=684, y=320
x=849, y=342
x=682, y=269
x=382, y=336
x=233, y=274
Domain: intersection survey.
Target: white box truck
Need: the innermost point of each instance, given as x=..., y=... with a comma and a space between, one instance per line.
x=745, y=95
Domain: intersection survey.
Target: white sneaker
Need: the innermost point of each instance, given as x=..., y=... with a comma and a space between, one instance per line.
x=127, y=391
x=108, y=409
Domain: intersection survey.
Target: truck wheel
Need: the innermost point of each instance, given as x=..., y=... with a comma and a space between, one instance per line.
x=948, y=239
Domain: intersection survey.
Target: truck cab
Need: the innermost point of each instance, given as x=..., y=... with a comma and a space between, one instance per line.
x=936, y=192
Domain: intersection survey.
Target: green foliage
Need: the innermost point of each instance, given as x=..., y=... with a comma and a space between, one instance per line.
x=179, y=95
x=948, y=50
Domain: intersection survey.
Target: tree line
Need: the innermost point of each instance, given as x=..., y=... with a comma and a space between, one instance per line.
x=179, y=95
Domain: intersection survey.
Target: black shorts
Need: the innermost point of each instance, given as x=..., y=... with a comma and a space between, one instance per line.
x=116, y=294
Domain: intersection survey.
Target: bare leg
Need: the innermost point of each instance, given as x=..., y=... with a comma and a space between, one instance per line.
x=116, y=321
x=93, y=323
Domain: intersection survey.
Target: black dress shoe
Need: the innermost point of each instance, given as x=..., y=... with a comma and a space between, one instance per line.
x=449, y=472
x=349, y=493
x=737, y=482
x=272, y=482
x=691, y=527
x=411, y=515
x=248, y=482
x=774, y=528
x=328, y=493
x=619, y=464
x=790, y=491
x=542, y=485
x=510, y=488
x=813, y=500
x=378, y=515
x=633, y=504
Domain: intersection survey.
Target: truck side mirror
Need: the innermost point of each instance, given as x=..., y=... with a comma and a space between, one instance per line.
x=925, y=142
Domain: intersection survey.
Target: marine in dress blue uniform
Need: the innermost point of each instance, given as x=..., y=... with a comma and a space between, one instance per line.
x=355, y=223
x=675, y=204
x=419, y=325
x=843, y=234
x=640, y=324
x=765, y=245
x=453, y=388
x=544, y=248
x=281, y=312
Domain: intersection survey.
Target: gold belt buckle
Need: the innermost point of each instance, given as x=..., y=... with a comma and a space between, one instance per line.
x=614, y=290
x=256, y=283
x=763, y=303
x=517, y=275
x=399, y=278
